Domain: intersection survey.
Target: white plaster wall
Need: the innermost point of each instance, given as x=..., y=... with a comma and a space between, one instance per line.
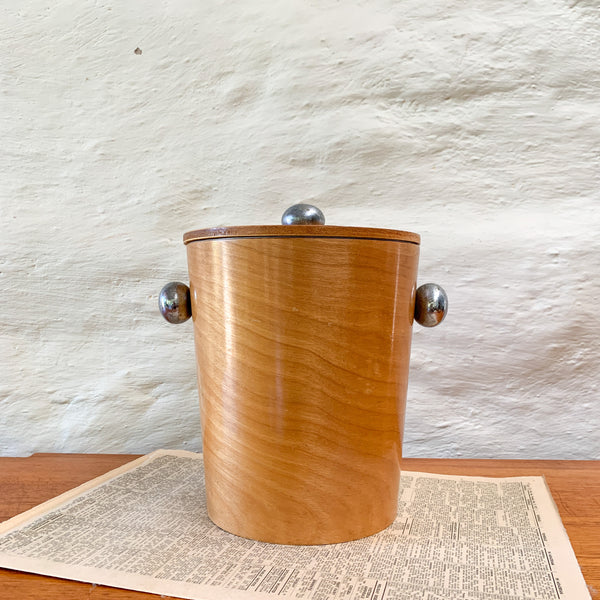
x=476, y=124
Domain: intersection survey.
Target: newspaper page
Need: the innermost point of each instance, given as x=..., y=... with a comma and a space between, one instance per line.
x=144, y=527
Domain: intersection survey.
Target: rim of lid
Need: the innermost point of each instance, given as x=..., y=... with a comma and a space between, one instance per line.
x=301, y=231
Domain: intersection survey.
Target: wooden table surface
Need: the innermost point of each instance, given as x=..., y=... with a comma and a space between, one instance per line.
x=26, y=482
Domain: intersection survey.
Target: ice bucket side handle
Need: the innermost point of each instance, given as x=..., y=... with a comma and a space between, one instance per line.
x=431, y=305
x=174, y=302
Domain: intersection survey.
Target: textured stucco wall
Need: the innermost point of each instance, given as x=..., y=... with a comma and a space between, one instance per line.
x=475, y=124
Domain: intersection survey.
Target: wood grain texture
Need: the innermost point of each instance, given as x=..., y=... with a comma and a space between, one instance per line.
x=27, y=482
x=303, y=349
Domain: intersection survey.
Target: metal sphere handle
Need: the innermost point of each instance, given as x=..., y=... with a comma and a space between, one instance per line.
x=431, y=305
x=303, y=214
x=174, y=302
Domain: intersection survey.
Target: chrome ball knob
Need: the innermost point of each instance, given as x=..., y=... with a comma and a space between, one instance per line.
x=174, y=302
x=431, y=305
x=303, y=214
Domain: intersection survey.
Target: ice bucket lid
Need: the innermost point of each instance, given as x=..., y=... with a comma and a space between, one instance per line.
x=301, y=231
x=301, y=221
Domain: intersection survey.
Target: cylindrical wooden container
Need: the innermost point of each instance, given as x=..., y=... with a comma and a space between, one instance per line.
x=302, y=338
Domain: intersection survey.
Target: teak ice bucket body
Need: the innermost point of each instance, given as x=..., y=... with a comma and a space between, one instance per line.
x=302, y=337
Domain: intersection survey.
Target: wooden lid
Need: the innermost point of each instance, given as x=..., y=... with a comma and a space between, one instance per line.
x=301, y=231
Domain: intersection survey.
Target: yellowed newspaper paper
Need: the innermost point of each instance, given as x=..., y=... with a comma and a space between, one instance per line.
x=144, y=527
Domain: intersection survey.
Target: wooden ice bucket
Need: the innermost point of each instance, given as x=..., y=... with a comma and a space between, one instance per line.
x=302, y=336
